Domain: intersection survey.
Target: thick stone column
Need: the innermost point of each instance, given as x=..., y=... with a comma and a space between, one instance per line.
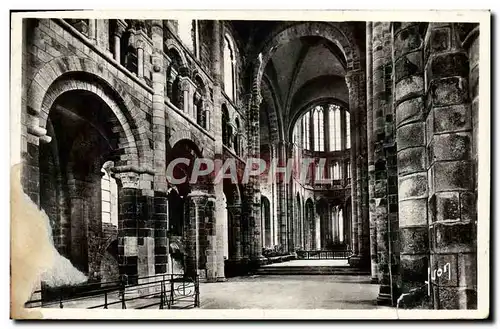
x=201, y=236
x=191, y=223
x=380, y=199
x=254, y=181
x=282, y=200
x=235, y=212
x=357, y=104
x=411, y=154
x=136, y=242
x=452, y=202
x=354, y=189
x=371, y=149
x=216, y=58
x=159, y=122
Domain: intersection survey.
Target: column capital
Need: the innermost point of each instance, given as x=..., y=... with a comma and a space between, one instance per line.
x=142, y=37
x=187, y=84
x=120, y=27
x=127, y=179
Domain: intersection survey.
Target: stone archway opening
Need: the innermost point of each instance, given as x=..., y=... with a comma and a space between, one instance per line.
x=74, y=167
x=178, y=208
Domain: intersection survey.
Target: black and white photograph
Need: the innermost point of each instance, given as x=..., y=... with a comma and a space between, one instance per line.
x=250, y=165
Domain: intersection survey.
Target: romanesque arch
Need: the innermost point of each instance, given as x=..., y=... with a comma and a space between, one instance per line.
x=336, y=33
x=64, y=74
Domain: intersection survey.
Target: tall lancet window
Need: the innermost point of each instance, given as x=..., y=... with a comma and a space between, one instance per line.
x=306, y=124
x=334, y=127
x=319, y=126
x=109, y=196
x=229, y=60
x=336, y=171
x=347, y=130
x=341, y=226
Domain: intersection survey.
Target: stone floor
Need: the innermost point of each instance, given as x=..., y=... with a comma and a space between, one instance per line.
x=312, y=262
x=291, y=292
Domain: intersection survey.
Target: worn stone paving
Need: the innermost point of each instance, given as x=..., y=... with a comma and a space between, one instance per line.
x=291, y=292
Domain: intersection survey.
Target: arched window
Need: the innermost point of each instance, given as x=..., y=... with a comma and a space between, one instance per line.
x=334, y=127
x=198, y=102
x=335, y=172
x=109, y=196
x=185, y=29
x=173, y=85
x=341, y=226
x=225, y=125
x=208, y=118
x=306, y=126
x=319, y=126
x=309, y=130
x=347, y=130
x=229, y=60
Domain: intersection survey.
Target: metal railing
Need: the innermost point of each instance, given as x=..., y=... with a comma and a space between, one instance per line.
x=165, y=291
x=324, y=254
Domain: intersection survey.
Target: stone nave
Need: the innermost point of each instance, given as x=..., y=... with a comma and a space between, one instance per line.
x=387, y=111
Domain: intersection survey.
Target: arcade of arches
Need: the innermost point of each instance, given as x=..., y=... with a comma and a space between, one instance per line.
x=379, y=107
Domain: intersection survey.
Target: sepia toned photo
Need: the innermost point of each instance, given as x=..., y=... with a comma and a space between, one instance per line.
x=174, y=165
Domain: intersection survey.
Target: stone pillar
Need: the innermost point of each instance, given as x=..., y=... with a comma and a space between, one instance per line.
x=191, y=222
x=140, y=58
x=452, y=202
x=135, y=225
x=216, y=58
x=253, y=185
x=411, y=154
x=120, y=27
x=379, y=203
x=282, y=200
x=159, y=123
x=200, y=236
x=357, y=103
x=235, y=211
x=92, y=30
x=354, y=188
x=371, y=149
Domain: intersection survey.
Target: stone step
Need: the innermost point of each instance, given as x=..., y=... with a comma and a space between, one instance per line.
x=310, y=270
